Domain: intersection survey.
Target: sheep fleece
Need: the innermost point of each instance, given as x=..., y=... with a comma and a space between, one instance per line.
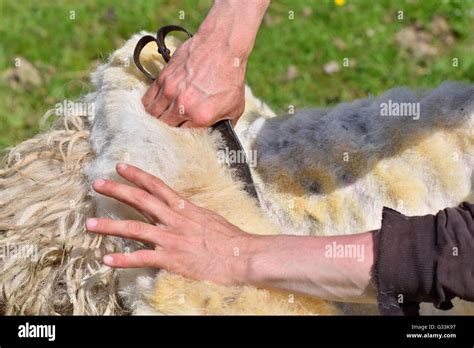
x=317, y=172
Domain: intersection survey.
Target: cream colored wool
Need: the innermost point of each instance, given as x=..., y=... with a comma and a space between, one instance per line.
x=186, y=160
x=319, y=172
x=67, y=276
x=44, y=203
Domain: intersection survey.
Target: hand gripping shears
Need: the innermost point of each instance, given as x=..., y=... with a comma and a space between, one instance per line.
x=224, y=127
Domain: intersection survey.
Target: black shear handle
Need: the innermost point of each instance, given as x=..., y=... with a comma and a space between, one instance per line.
x=160, y=42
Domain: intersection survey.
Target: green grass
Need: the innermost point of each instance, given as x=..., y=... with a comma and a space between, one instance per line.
x=66, y=50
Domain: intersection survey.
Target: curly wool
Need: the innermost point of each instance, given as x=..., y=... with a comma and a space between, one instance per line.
x=44, y=203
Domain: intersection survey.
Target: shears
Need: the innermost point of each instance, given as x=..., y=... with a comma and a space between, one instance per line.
x=224, y=127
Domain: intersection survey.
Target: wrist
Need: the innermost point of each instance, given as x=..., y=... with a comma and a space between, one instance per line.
x=303, y=264
x=245, y=265
x=232, y=27
x=262, y=262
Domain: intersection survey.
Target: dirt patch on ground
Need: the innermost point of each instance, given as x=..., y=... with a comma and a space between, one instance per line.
x=423, y=42
x=23, y=76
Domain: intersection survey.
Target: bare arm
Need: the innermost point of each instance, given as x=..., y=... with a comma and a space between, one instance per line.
x=200, y=244
x=334, y=268
x=204, y=81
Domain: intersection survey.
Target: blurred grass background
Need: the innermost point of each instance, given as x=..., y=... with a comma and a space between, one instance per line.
x=287, y=65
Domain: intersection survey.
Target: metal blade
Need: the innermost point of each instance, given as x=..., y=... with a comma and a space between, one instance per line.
x=233, y=145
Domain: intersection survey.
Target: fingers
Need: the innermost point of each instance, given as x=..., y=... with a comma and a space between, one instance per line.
x=174, y=116
x=151, y=93
x=169, y=83
x=129, y=229
x=139, y=199
x=149, y=183
x=187, y=124
x=139, y=259
x=158, y=105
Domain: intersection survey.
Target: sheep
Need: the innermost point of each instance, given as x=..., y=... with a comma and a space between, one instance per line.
x=318, y=172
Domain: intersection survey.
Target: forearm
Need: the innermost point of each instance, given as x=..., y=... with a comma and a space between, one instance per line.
x=234, y=24
x=333, y=268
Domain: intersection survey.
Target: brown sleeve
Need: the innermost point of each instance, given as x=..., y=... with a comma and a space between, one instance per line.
x=424, y=259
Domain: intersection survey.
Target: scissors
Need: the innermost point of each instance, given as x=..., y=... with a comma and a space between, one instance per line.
x=224, y=127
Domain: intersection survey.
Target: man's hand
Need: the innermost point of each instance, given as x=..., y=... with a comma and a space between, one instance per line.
x=203, y=83
x=205, y=79
x=187, y=239
x=200, y=244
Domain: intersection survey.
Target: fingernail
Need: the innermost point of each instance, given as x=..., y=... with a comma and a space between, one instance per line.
x=122, y=166
x=99, y=182
x=91, y=223
x=108, y=260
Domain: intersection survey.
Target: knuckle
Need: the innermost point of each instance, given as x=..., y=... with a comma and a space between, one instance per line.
x=134, y=228
x=151, y=109
x=182, y=101
x=203, y=118
x=177, y=222
x=169, y=91
x=142, y=196
x=161, y=79
x=147, y=259
x=157, y=184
